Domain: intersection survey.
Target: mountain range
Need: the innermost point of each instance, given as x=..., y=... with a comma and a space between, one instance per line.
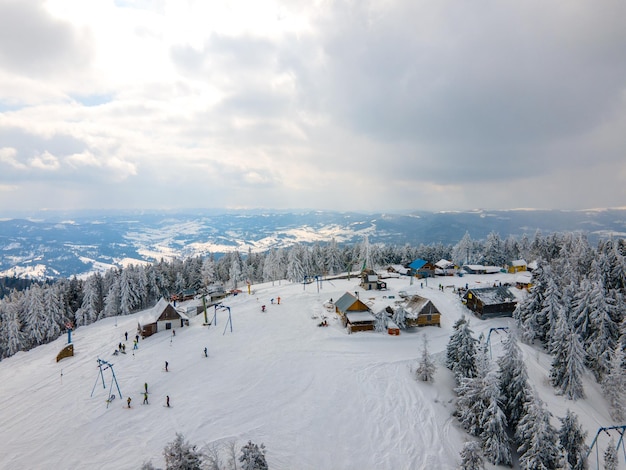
x=58, y=244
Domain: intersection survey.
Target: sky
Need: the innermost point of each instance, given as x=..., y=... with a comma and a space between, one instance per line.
x=331, y=105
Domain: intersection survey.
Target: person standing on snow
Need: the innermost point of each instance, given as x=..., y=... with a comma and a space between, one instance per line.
x=145, y=398
x=167, y=401
x=206, y=352
x=128, y=400
x=166, y=364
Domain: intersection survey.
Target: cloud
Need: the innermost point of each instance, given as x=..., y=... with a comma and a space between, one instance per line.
x=46, y=161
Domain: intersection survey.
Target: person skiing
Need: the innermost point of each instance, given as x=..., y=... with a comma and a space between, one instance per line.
x=145, y=398
x=126, y=335
x=128, y=400
x=167, y=401
x=166, y=364
x=206, y=352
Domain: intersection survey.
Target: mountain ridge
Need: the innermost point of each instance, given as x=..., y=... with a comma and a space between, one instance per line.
x=62, y=244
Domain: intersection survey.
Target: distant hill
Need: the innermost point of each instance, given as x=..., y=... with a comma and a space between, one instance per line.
x=65, y=244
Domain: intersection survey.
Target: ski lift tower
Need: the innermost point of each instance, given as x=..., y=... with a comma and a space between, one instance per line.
x=102, y=366
x=230, y=319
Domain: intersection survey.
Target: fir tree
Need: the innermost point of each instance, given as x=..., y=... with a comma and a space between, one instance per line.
x=614, y=383
x=572, y=440
x=470, y=457
x=610, y=456
x=180, y=455
x=452, y=355
x=536, y=438
x=253, y=457
x=568, y=361
x=495, y=440
x=426, y=368
x=513, y=380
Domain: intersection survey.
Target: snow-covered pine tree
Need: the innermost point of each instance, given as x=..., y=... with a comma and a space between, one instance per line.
x=614, y=383
x=180, y=455
x=537, y=438
x=452, y=355
x=551, y=307
x=465, y=366
x=12, y=338
x=381, y=321
x=470, y=456
x=426, y=368
x=604, y=331
x=495, y=438
x=513, y=379
x=610, y=456
x=253, y=457
x=568, y=361
x=472, y=399
x=572, y=440
x=399, y=317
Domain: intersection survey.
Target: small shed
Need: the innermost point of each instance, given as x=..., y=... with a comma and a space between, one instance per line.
x=371, y=281
x=355, y=315
x=517, y=266
x=490, y=302
x=420, y=311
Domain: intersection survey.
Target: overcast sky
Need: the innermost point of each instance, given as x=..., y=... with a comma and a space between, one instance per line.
x=385, y=105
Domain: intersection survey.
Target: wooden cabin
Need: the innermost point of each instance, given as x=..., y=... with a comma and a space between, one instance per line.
x=371, y=281
x=422, y=268
x=420, y=311
x=163, y=316
x=517, y=266
x=490, y=302
x=354, y=314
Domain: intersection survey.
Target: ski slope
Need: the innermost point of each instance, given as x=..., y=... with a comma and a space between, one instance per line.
x=318, y=398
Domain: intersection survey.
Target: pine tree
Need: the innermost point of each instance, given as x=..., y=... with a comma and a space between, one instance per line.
x=399, y=317
x=568, y=361
x=470, y=457
x=180, y=455
x=452, y=355
x=426, y=368
x=513, y=379
x=473, y=399
x=495, y=440
x=572, y=440
x=610, y=456
x=614, y=383
x=381, y=321
x=253, y=457
x=465, y=366
x=536, y=438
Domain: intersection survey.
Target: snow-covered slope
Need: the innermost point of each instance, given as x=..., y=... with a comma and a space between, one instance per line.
x=318, y=398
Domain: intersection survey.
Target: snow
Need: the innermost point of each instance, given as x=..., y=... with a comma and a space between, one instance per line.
x=318, y=398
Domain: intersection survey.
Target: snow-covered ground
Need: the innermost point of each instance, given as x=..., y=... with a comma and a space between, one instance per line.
x=318, y=398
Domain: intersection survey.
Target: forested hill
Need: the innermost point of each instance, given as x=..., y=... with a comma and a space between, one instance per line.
x=65, y=244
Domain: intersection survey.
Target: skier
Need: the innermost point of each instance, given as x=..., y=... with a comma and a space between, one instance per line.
x=278, y=300
x=167, y=401
x=126, y=335
x=166, y=366
x=206, y=352
x=128, y=400
x=135, y=345
x=262, y=308
x=145, y=398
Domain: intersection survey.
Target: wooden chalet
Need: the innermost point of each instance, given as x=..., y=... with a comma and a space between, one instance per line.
x=422, y=268
x=420, y=311
x=443, y=267
x=517, y=266
x=163, y=316
x=371, y=281
x=355, y=315
x=489, y=302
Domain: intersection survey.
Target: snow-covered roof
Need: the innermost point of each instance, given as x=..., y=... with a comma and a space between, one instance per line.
x=416, y=305
x=358, y=317
x=493, y=295
x=524, y=277
x=518, y=262
x=444, y=264
x=372, y=278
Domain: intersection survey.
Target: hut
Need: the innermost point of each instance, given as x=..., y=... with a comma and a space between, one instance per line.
x=422, y=268
x=490, y=302
x=163, y=316
x=420, y=311
x=443, y=267
x=517, y=266
x=371, y=281
x=355, y=315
